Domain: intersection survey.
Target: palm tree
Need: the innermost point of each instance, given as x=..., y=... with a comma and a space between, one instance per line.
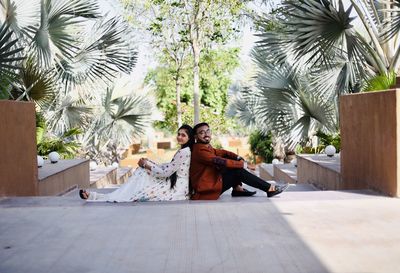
x=73, y=54
x=285, y=103
x=321, y=33
x=116, y=123
x=70, y=40
x=316, y=55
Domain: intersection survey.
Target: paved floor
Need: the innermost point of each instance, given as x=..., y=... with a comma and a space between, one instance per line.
x=299, y=231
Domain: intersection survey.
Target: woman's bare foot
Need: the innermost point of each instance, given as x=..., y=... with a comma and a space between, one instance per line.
x=84, y=194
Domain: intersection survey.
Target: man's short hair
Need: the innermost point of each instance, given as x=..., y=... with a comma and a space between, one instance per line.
x=198, y=125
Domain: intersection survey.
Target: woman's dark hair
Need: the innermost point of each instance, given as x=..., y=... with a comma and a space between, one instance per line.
x=190, y=133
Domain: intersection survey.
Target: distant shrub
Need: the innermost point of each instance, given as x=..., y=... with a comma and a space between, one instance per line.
x=261, y=145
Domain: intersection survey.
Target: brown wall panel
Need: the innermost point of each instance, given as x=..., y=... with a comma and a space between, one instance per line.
x=369, y=132
x=18, y=163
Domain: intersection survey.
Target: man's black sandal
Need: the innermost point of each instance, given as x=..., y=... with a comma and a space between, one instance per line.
x=243, y=193
x=278, y=189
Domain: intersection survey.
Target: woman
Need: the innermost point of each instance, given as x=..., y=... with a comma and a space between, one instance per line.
x=155, y=182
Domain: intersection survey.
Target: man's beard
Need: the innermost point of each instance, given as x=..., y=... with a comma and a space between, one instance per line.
x=204, y=141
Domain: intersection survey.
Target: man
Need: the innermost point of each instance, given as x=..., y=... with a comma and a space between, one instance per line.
x=213, y=171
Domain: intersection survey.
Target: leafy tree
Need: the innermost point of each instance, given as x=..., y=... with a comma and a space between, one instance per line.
x=215, y=81
x=207, y=22
x=177, y=24
x=217, y=66
x=169, y=34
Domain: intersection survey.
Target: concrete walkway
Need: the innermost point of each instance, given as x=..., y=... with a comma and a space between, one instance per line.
x=299, y=231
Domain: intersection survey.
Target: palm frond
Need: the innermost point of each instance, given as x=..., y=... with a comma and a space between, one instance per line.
x=374, y=9
x=392, y=21
x=55, y=38
x=35, y=85
x=74, y=8
x=20, y=16
x=11, y=58
x=321, y=31
x=107, y=53
x=122, y=118
x=242, y=107
x=10, y=55
x=68, y=112
x=287, y=103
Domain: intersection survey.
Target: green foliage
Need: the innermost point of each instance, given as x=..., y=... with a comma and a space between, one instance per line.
x=216, y=67
x=381, y=82
x=41, y=127
x=64, y=145
x=261, y=145
x=119, y=119
x=5, y=87
x=216, y=143
x=181, y=32
x=220, y=124
x=329, y=139
x=309, y=150
x=164, y=83
x=341, y=55
x=324, y=140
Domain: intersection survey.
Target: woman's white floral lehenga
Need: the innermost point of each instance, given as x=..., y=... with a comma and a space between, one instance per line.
x=154, y=185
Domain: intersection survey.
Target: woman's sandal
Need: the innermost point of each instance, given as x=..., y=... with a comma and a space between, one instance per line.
x=83, y=194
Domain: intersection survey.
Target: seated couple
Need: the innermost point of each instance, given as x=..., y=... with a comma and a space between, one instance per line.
x=211, y=172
